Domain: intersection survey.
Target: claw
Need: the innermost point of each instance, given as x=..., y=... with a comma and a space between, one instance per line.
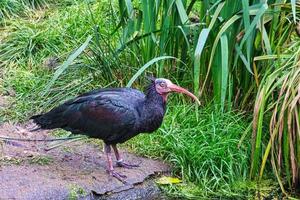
x=126, y=165
x=118, y=176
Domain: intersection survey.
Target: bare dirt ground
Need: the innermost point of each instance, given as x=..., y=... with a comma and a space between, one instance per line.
x=74, y=170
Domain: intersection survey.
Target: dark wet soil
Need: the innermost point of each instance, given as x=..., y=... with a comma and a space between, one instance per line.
x=75, y=170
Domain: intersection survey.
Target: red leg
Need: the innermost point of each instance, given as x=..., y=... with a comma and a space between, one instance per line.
x=110, y=168
x=120, y=161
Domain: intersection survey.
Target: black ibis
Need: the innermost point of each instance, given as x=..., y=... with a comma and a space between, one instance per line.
x=114, y=115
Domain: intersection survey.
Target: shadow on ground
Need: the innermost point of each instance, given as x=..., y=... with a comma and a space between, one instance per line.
x=73, y=171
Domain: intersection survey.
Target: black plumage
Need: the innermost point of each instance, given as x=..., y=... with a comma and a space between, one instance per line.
x=113, y=114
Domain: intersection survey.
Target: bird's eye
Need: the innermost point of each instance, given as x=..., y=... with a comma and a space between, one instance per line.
x=162, y=84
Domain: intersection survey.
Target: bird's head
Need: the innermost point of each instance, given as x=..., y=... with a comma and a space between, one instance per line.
x=164, y=87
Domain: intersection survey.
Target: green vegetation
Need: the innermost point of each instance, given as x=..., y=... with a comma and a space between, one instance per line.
x=13, y=8
x=31, y=43
x=279, y=95
x=237, y=56
x=203, y=148
x=41, y=160
x=232, y=59
x=35, y=159
x=216, y=44
x=7, y=160
x=76, y=192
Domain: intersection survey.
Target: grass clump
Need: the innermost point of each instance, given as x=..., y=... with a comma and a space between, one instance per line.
x=8, y=160
x=14, y=9
x=36, y=159
x=41, y=160
x=49, y=33
x=202, y=148
x=279, y=96
x=76, y=192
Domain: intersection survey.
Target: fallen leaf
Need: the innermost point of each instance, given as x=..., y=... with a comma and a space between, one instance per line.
x=168, y=180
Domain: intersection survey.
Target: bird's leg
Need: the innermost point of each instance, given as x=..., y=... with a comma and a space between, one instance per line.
x=110, y=167
x=120, y=161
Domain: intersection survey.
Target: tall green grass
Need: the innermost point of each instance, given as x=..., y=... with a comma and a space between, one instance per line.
x=214, y=59
x=279, y=95
x=202, y=150
x=277, y=102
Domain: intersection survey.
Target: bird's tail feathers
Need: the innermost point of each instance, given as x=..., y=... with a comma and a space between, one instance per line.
x=48, y=120
x=35, y=126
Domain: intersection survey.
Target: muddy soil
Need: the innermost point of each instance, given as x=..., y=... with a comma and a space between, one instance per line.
x=74, y=170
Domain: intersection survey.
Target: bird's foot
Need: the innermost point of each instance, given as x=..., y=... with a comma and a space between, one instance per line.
x=121, y=163
x=118, y=176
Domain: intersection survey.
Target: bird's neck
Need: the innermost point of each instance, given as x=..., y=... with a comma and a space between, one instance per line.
x=153, y=97
x=153, y=110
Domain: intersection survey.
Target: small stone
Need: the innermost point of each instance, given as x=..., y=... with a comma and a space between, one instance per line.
x=298, y=28
x=51, y=62
x=11, y=92
x=28, y=154
x=4, y=101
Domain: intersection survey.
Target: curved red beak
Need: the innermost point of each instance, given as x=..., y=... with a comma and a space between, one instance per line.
x=176, y=88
